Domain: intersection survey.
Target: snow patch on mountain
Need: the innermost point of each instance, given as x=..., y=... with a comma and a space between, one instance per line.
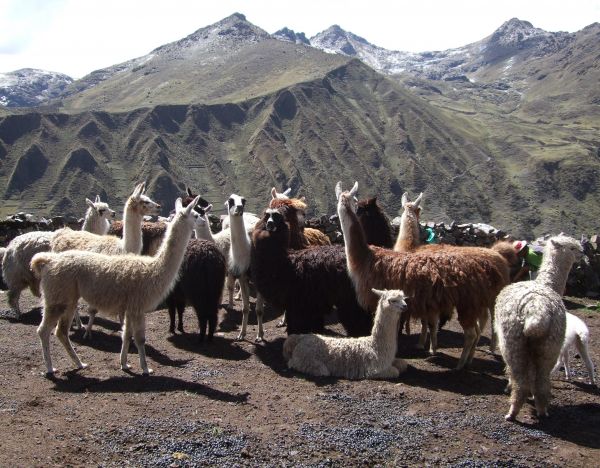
x=30, y=87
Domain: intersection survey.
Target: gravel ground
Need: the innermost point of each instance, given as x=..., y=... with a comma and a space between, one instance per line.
x=236, y=404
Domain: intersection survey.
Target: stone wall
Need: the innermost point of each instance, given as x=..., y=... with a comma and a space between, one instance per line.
x=584, y=279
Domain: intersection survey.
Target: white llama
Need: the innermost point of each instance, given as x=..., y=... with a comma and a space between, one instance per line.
x=112, y=284
x=530, y=323
x=20, y=251
x=577, y=336
x=368, y=357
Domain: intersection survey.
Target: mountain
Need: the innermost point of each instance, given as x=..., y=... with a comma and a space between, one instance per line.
x=29, y=87
x=509, y=138
x=286, y=34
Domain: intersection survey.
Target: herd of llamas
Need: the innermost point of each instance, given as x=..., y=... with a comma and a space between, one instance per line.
x=374, y=283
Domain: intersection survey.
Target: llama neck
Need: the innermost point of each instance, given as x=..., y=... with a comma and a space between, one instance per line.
x=170, y=255
x=203, y=232
x=239, y=253
x=357, y=249
x=408, y=237
x=94, y=223
x=554, y=271
x=385, y=332
x=132, y=229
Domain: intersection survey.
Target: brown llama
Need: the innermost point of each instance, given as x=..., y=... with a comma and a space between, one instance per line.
x=436, y=279
x=375, y=223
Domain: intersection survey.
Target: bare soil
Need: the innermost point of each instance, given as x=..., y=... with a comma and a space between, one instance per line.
x=231, y=403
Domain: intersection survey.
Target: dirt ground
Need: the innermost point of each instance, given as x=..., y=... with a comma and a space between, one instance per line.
x=234, y=403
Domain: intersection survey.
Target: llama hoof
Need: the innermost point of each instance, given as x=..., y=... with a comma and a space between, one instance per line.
x=148, y=371
x=84, y=365
x=509, y=417
x=241, y=337
x=259, y=339
x=281, y=324
x=125, y=367
x=49, y=374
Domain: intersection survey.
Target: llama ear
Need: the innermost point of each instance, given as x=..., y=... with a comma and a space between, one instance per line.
x=354, y=189
x=338, y=190
x=273, y=193
x=404, y=199
x=97, y=199
x=137, y=191
x=189, y=191
x=418, y=200
x=378, y=292
x=287, y=191
x=90, y=203
x=192, y=205
x=302, y=199
x=178, y=205
x=554, y=243
x=208, y=208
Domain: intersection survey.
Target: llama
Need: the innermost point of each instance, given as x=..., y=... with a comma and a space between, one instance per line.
x=530, y=323
x=577, y=336
x=20, y=251
x=238, y=264
x=137, y=206
x=408, y=236
x=306, y=283
x=375, y=223
x=200, y=285
x=436, y=279
x=131, y=283
x=368, y=357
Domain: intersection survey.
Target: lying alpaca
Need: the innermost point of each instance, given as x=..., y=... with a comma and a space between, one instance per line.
x=137, y=206
x=467, y=278
x=112, y=284
x=368, y=357
x=530, y=323
x=306, y=283
x=375, y=223
x=20, y=251
x=577, y=336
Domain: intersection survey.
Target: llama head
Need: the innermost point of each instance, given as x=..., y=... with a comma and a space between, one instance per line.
x=186, y=214
x=274, y=220
x=412, y=207
x=142, y=203
x=202, y=219
x=100, y=208
x=346, y=200
x=297, y=205
x=280, y=195
x=392, y=299
x=569, y=248
x=235, y=205
x=367, y=208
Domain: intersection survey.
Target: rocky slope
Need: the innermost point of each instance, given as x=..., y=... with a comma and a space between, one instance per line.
x=29, y=87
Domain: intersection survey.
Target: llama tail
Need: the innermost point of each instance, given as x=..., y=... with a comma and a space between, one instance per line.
x=39, y=261
x=537, y=325
x=289, y=345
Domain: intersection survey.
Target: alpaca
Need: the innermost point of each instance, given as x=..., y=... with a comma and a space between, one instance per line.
x=530, y=323
x=20, y=251
x=306, y=283
x=137, y=206
x=132, y=283
x=368, y=357
x=375, y=223
x=238, y=264
x=576, y=335
x=200, y=284
x=408, y=236
x=436, y=279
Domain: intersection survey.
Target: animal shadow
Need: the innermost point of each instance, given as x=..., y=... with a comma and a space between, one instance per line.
x=31, y=317
x=219, y=347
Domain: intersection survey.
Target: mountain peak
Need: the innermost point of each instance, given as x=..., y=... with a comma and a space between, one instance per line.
x=28, y=87
x=336, y=40
x=515, y=31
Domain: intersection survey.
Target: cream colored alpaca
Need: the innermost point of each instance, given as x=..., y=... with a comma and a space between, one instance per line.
x=530, y=321
x=137, y=206
x=20, y=251
x=112, y=284
x=367, y=357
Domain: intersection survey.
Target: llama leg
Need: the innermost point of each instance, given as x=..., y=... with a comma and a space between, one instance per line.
x=400, y=364
x=180, y=310
x=423, y=335
x=517, y=398
x=282, y=322
x=469, y=344
x=260, y=310
x=139, y=337
x=433, y=331
x=172, y=317
x=541, y=387
x=230, y=285
x=13, y=300
x=202, y=321
x=91, y=312
x=494, y=337
x=307, y=366
x=246, y=306
x=567, y=364
x=77, y=321
x=389, y=373
x=559, y=362
x=50, y=318
x=474, y=347
x=582, y=347
x=126, y=337
x=62, y=333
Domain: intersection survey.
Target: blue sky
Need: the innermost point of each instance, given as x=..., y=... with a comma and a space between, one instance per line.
x=78, y=36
